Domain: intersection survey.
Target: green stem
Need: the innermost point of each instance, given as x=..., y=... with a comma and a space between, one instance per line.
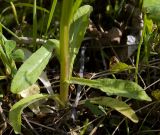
x=35, y=24
x=64, y=49
x=14, y=12
x=138, y=53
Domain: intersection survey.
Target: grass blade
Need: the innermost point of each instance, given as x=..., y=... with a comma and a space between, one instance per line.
x=35, y=23
x=51, y=14
x=14, y=12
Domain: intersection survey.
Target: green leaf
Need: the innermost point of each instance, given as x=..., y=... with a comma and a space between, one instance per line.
x=16, y=110
x=56, y=45
x=3, y=77
x=31, y=69
x=149, y=25
x=51, y=14
x=31, y=6
x=156, y=94
x=77, y=31
x=94, y=109
x=9, y=46
x=6, y=58
x=18, y=55
x=117, y=87
x=153, y=9
x=119, y=67
x=77, y=4
x=34, y=23
x=119, y=106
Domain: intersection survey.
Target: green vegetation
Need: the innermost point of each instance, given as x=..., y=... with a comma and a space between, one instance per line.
x=35, y=42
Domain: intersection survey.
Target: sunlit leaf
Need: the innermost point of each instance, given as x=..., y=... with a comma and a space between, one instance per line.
x=77, y=31
x=119, y=67
x=51, y=14
x=56, y=45
x=117, y=87
x=153, y=9
x=119, y=106
x=149, y=25
x=16, y=110
x=31, y=69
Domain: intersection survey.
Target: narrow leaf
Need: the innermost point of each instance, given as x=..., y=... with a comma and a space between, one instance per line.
x=117, y=87
x=35, y=22
x=51, y=14
x=16, y=110
x=119, y=106
x=77, y=31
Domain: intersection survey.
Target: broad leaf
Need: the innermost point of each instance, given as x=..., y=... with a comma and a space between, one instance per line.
x=153, y=9
x=31, y=69
x=117, y=87
x=18, y=55
x=16, y=110
x=119, y=106
x=77, y=31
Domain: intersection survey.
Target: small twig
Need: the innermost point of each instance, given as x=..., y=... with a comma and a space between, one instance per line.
x=152, y=84
x=95, y=128
x=86, y=124
x=31, y=127
x=57, y=130
x=118, y=126
x=79, y=87
x=3, y=123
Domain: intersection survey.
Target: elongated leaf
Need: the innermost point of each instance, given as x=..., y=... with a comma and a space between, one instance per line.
x=51, y=14
x=31, y=69
x=77, y=31
x=117, y=87
x=77, y=4
x=9, y=31
x=35, y=23
x=75, y=7
x=16, y=110
x=3, y=77
x=9, y=63
x=119, y=106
